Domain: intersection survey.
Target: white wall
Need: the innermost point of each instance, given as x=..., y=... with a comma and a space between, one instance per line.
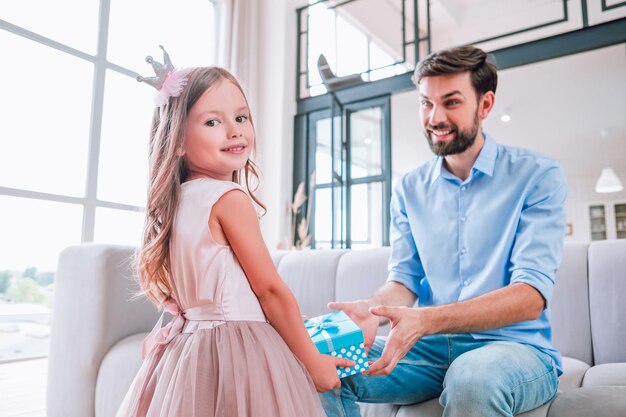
x=558, y=108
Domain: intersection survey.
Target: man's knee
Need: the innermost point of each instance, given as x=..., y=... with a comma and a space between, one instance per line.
x=502, y=377
x=474, y=388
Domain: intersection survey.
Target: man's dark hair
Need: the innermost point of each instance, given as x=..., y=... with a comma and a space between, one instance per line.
x=481, y=66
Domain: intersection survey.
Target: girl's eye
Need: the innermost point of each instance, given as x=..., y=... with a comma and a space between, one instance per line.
x=241, y=119
x=212, y=123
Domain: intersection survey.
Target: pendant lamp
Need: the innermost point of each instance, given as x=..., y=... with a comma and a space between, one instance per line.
x=608, y=182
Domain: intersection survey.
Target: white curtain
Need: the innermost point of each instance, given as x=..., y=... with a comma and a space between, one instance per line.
x=238, y=46
x=257, y=46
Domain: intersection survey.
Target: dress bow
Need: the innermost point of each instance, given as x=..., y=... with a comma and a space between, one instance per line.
x=159, y=337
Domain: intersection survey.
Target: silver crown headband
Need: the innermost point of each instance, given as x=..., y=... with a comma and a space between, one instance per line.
x=168, y=81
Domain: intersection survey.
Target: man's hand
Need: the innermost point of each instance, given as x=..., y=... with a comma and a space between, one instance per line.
x=407, y=327
x=359, y=312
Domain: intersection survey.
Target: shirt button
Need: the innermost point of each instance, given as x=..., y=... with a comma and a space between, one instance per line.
x=463, y=188
x=466, y=283
x=463, y=218
x=463, y=250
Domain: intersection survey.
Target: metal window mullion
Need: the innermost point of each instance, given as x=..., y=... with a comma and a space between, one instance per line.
x=298, y=52
x=120, y=206
x=403, y=30
x=366, y=180
x=37, y=195
x=428, y=25
x=416, y=32
x=585, y=17
x=35, y=37
x=97, y=102
x=348, y=179
x=386, y=161
x=333, y=223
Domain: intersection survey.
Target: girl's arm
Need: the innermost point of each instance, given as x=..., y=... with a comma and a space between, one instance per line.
x=235, y=216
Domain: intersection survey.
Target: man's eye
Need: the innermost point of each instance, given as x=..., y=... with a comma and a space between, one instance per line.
x=425, y=104
x=212, y=123
x=241, y=119
x=452, y=102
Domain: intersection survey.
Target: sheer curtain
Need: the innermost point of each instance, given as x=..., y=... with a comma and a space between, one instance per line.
x=238, y=46
x=257, y=46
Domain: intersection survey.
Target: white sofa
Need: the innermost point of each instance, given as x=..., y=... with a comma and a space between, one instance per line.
x=98, y=326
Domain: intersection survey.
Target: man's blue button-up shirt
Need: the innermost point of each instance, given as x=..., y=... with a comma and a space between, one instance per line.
x=454, y=240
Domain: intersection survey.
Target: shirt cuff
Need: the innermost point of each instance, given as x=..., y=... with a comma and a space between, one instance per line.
x=409, y=281
x=537, y=280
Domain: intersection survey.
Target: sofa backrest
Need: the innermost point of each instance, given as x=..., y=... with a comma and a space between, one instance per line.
x=607, y=295
x=311, y=276
x=571, y=327
x=360, y=273
x=319, y=276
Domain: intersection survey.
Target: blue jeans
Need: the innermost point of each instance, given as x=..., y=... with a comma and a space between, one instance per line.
x=472, y=377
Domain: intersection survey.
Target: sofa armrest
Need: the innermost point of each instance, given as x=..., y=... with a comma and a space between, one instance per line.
x=91, y=313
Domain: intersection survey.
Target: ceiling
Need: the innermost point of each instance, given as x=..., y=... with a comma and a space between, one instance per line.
x=460, y=22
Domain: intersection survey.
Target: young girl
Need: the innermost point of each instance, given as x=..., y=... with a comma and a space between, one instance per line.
x=236, y=346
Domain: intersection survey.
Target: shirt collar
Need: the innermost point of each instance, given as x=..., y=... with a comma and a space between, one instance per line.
x=485, y=162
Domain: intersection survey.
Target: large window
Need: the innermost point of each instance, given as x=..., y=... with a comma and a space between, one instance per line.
x=353, y=41
x=73, y=136
x=352, y=164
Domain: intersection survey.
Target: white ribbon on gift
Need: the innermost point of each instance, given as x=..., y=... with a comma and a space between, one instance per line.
x=318, y=325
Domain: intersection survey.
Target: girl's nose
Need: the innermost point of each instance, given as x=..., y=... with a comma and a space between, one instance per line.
x=234, y=131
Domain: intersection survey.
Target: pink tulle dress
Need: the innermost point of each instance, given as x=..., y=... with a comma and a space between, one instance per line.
x=218, y=356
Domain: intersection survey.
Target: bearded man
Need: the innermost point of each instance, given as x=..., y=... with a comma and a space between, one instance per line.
x=476, y=238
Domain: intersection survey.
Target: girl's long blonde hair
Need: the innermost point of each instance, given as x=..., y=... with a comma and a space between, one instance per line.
x=168, y=171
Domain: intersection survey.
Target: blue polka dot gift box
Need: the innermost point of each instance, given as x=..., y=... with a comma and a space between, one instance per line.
x=337, y=335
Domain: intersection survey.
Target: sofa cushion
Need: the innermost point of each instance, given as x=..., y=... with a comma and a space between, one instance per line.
x=310, y=274
x=573, y=373
x=117, y=372
x=590, y=401
x=432, y=408
x=571, y=326
x=606, y=374
x=607, y=295
x=378, y=410
x=360, y=273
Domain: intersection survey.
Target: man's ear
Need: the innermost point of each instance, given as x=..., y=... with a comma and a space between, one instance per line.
x=487, y=101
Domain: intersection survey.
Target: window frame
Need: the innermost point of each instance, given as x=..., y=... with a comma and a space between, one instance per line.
x=89, y=201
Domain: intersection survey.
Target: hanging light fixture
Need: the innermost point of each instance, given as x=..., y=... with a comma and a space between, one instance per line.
x=608, y=182
x=505, y=117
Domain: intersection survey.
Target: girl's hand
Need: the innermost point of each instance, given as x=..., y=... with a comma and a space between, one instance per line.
x=325, y=373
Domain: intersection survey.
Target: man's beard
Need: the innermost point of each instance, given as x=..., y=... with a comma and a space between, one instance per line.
x=462, y=141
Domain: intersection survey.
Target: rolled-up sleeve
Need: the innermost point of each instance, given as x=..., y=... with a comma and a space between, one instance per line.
x=404, y=265
x=538, y=247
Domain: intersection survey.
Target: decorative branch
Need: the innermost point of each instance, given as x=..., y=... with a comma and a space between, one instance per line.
x=301, y=232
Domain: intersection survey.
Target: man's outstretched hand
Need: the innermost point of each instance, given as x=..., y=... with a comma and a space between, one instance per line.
x=359, y=312
x=407, y=327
